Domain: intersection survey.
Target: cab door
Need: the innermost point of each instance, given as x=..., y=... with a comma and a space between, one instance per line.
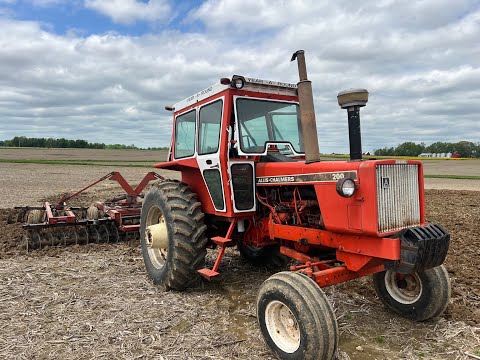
x=209, y=132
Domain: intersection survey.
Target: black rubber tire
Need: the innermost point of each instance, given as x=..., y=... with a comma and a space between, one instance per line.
x=267, y=256
x=187, y=243
x=310, y=307
x=433, y=298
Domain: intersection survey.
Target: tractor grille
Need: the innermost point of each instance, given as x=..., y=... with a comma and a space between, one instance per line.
x=398, y=198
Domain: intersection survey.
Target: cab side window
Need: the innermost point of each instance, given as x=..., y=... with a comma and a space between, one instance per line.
x=209, y=128
x=185, y=127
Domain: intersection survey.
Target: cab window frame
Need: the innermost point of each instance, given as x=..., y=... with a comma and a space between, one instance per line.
x=175, y=156
x=199, y=135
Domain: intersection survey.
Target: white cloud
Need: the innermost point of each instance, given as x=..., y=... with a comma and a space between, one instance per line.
x=130, y=11
x=418, y=60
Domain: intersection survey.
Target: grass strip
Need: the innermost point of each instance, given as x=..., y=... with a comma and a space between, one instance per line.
x=75, y=162
x=373, y=157
x=457, y=177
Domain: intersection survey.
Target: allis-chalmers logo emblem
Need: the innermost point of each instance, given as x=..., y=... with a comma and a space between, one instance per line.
x=275, y=179
x=385, y=182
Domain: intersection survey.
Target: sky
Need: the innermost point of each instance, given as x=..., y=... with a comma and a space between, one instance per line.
x=103, y=70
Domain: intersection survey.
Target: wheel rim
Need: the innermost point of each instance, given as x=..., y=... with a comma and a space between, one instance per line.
x=282, y=326
x=158, y=256
x=404, y=288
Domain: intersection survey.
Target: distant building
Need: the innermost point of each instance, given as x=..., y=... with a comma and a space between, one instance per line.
x=436, y=155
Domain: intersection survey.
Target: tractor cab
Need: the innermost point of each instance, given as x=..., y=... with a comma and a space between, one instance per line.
x=220, y=133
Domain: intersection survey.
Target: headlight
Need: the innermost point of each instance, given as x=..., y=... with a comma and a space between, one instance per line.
x=346, y=187
x=238, y=83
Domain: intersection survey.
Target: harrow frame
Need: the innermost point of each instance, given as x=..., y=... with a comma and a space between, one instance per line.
x=116, y=212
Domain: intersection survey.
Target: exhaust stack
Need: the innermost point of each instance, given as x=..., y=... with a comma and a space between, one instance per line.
x=353, y=100
x=307, y=111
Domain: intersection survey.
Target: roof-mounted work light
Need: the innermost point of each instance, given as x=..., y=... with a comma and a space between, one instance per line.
x=238, y=82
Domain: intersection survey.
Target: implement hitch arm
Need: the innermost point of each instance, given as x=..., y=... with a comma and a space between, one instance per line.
x=116, y=176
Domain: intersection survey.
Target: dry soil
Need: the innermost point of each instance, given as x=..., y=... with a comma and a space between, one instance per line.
x=95, y=301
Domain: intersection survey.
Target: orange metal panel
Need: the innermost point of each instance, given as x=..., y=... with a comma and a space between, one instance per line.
x=354, y=214
x=353, y=262
x=294, y=254
x=341, y=274
x=384, y=248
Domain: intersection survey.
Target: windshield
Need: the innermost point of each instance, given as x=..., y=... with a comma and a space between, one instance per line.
x=262, y=121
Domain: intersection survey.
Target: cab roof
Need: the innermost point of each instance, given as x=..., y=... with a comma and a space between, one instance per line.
x=250, y=84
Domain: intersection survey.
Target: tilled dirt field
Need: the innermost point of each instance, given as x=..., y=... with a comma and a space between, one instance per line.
x=27, y=184
x=95, y=302
x=151, y=156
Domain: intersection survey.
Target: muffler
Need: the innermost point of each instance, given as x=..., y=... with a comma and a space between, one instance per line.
x=307, y=110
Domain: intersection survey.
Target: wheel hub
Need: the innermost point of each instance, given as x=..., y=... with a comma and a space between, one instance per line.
x=404, y=288
x=282, y=326
x=156, y=237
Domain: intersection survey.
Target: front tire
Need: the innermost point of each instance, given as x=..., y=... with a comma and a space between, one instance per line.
x=418, y=296
x=174, y=205
x=296, y=318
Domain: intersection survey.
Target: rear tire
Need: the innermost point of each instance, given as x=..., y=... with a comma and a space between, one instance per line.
x=174, y=267
x=418, y=296
x=296, y=318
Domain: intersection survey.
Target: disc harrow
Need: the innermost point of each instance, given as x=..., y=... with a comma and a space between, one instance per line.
x=58, y=224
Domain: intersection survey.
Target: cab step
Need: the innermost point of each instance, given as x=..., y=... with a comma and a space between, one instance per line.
x=208, y=273
x=221, y=241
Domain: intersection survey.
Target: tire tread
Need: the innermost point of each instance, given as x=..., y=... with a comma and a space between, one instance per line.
x=188, y=235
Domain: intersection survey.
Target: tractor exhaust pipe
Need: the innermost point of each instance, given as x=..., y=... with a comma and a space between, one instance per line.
x=353, y=100
x=307, y=111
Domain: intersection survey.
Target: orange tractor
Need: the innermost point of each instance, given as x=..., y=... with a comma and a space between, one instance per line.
x=248, y=154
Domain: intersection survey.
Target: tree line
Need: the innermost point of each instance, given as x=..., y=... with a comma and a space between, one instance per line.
x=466, y=149
x=23, y=141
